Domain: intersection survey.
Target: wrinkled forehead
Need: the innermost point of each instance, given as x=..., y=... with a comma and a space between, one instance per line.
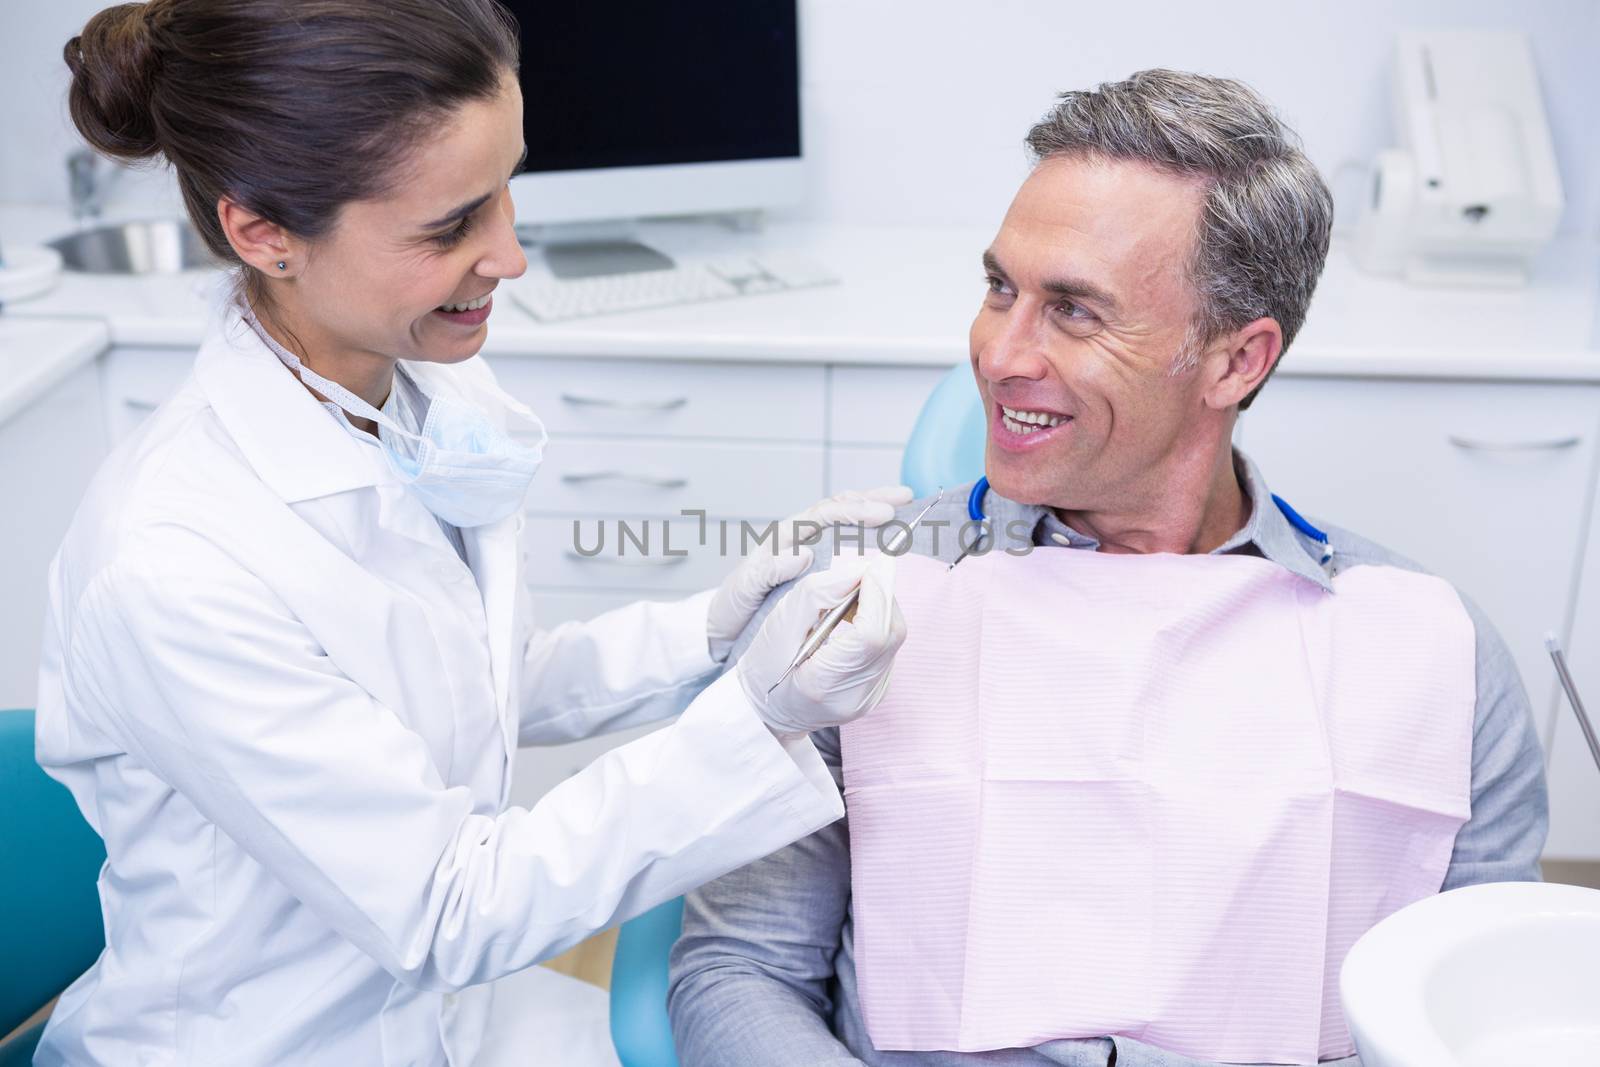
x=1128, y=226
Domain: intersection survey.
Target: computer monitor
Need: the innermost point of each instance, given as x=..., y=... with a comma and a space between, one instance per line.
x=646, y=108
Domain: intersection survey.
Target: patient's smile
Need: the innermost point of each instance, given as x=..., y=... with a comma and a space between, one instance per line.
x=1017, y=428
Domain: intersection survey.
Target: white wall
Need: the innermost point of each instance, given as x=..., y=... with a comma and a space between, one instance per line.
x=35, y=131
x=915, y=109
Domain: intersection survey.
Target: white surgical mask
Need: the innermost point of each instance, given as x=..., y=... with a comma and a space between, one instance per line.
x=463, y=468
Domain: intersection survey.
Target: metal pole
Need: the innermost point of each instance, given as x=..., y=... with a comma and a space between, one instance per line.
x=1560, y=660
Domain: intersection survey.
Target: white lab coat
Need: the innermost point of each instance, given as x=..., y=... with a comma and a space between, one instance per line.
x=290, y=709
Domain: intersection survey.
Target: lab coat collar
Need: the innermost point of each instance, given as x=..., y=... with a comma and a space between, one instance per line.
x=284, y=433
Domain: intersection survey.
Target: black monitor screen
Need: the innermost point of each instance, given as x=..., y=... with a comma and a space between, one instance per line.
x=651, y=82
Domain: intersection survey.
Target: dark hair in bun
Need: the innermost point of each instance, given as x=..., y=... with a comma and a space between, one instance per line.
x=113, y=67
x=292, y=108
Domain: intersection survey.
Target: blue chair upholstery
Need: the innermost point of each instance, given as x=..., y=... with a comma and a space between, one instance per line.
x=945, y=449
x=640, y=1029
x=51, y=929
x=947, y=443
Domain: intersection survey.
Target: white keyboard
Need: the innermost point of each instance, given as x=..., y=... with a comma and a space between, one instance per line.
x=689, y=282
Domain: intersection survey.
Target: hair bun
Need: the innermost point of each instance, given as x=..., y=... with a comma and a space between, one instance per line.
x=114, y=63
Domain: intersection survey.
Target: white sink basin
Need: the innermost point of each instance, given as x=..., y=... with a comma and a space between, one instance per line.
x=1485, y=976
x=158, y=246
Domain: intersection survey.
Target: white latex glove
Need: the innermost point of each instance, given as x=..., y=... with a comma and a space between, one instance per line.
x=845, y=677
x=744, y=590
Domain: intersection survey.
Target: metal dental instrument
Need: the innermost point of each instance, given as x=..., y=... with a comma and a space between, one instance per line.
x=974, y=512
x=847, y=606
x=1553, y=644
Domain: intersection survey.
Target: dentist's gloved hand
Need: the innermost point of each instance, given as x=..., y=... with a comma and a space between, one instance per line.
x=744, y=591
x=844, y=678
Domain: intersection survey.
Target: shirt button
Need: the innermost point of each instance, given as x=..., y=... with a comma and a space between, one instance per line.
x=1060, y=539
x=449, y=1000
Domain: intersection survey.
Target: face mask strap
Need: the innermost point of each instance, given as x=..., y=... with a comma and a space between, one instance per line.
x=336, y=393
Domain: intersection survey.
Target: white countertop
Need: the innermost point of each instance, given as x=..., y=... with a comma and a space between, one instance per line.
x=38, y=354
x=908, y=295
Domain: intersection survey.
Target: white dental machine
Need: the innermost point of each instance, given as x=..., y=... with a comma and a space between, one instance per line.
x=1471, y=193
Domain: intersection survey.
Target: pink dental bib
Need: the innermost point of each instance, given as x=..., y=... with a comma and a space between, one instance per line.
x=1150, y=796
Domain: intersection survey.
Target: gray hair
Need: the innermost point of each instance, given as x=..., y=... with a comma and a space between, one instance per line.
x=1263, y=230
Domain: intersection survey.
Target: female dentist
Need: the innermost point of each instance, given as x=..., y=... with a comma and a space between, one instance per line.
x=288, y=658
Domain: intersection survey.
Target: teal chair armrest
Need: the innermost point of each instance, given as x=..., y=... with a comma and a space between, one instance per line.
x=640, y=1029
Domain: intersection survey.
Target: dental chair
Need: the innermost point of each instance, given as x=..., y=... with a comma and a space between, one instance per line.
x=946, y=444
x=50, y=924
x=945, y=449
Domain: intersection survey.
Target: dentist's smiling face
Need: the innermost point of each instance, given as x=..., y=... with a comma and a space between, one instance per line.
x=1088, y=304
x=409, y=275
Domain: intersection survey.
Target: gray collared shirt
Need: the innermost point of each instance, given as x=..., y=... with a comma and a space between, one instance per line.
x=765, y=970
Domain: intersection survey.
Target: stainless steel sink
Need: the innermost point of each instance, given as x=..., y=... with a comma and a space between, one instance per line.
x=162, y=246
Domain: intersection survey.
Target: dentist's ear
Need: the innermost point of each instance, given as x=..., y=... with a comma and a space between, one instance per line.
x=264, y=245
x=1239, y=362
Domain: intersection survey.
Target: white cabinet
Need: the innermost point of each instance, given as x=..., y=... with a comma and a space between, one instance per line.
x=1484, y=484
x=667, y=476
x=138, y=380
x=672, y=398
x=871, y=411
x=877, y=405
x=863, y=466
x=634, y=444
x=48, y=453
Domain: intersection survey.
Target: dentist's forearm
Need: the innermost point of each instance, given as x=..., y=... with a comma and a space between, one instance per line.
x=635, y=665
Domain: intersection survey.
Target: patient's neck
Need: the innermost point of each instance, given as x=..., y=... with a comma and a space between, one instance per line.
x=1192, y=505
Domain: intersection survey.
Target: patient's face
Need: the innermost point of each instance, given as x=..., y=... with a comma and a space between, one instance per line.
x=1087, y=306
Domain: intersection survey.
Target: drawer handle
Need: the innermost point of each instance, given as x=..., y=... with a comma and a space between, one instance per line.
x=580, y=400
x=627, y=561
x=1473, y=444
x=139, y=405
x=651, y=480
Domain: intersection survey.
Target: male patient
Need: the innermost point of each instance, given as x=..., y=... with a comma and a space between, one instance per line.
x=1149, y=275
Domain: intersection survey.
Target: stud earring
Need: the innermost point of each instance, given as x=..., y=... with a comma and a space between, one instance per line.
x=282, y=265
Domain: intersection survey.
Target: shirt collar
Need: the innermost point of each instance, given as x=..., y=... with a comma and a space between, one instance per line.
x=1266, y=533
x=1270, y=533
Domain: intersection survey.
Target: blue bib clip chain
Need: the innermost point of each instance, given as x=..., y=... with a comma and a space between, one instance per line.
x=981, y=488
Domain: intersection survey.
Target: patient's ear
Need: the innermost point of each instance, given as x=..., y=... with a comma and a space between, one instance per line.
x=1238, y=362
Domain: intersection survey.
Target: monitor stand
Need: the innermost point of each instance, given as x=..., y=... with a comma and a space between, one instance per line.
x=589, y=259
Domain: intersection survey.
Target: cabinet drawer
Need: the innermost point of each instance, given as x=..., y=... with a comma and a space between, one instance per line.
x=1483, y=484
x=630, y=554
x=878, y=405
x=138, y=380
x=658, y=397
x=863, y=466
x=664, y=476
